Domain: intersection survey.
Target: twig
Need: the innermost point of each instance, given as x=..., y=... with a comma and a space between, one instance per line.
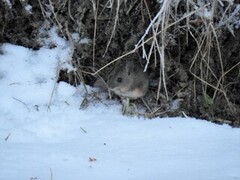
x=184, y=114
x=114, y=26
x=22, y=103
x=55, y=85
x=113, y=61
x=51, y=173
x=131, y=7
x=83, y=130
x=147, y=106
x=7, y=136
x=95, y=13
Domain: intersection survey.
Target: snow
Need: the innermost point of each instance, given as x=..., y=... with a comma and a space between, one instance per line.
x=235, y=17
x=51, y=137
x=28, y=8
x=8, y=3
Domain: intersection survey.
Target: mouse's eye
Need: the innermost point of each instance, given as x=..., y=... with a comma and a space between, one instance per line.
x=119, y=80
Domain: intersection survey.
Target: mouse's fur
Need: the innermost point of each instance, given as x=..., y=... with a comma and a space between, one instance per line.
x=129, y=80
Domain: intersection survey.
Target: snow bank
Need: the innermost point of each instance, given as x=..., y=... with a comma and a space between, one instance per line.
x=97, y=143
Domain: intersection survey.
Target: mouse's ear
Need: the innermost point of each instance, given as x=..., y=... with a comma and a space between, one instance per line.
x=129, y=67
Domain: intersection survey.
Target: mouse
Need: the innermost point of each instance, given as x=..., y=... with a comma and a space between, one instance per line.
x=128, y=80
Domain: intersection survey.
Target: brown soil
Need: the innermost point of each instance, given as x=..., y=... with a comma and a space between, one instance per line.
x=195, y=96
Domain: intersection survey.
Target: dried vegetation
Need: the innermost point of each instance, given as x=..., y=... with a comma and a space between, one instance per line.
x=190, y=48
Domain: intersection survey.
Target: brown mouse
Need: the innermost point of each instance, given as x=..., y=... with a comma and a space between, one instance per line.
x=129, y=80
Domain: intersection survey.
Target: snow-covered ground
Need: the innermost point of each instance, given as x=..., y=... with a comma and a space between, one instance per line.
x=47, y=137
